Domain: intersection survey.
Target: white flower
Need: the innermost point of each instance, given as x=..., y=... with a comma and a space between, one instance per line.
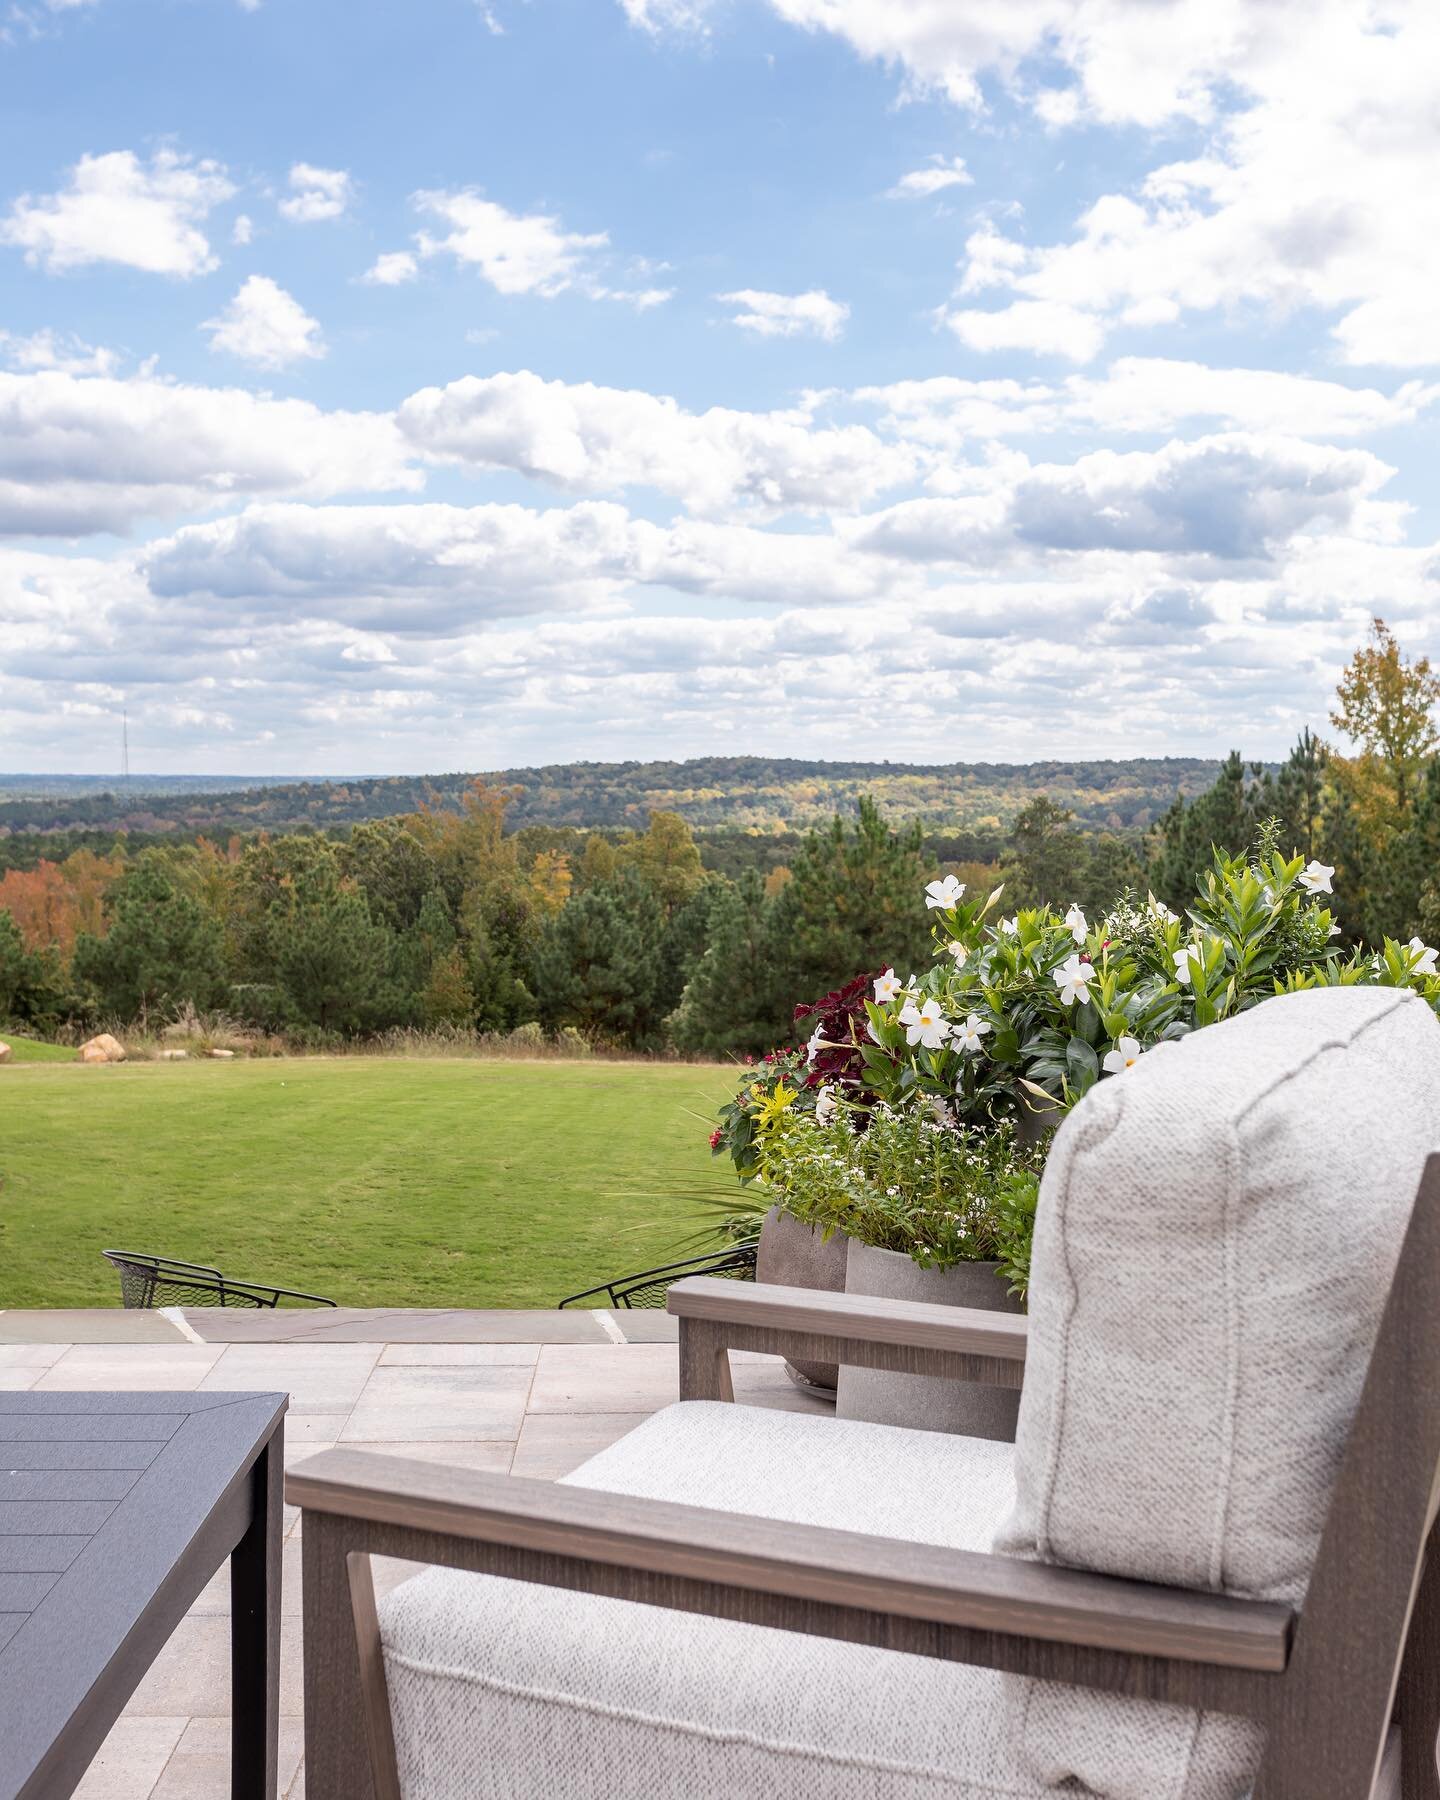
x=1315, y=878
x=1125, y=1055
x=944, y=894
x=924, y=1023
x=969, y=1033
x=1334, y=930
x=826, y=1106
x=1159, y=910
x=1073, y=979
x=1426, y=964
x=1009, y=927
x=816, y=1044
x=887, y=986
x=1187, y=960
x=959, y=952
x=1075, y=921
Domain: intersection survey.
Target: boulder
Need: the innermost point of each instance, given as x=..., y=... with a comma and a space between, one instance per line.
x=5, y=1053
x=92, y=1053
x=174, y=1055
x=223, y=1055
x=102, y=1049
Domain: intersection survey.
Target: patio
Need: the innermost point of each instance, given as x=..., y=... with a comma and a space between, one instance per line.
x=532, y=1393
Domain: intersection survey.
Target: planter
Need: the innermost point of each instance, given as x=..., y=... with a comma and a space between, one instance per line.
x=796, y=1255
x=925, y=1402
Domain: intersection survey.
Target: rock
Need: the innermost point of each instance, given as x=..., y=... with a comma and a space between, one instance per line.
x=4, y=1053
x=102, y=1049
x=174, y=1055
x=222, y=1055
x=92, y=1053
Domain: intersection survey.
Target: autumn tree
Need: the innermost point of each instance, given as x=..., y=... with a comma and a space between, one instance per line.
x=1386, y=705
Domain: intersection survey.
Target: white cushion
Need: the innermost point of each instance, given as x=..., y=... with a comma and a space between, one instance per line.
x=504, y=1691
x=1216, y=1236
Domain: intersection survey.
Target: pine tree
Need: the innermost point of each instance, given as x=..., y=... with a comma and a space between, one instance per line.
x=596, y=965
x=735, y=1003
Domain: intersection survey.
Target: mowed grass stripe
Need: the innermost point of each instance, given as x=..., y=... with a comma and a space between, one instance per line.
x=377, y=1181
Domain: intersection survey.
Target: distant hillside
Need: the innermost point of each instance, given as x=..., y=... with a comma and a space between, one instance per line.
x=739, y=793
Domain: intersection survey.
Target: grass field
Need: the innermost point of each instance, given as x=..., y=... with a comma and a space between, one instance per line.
x=375, y=1181
x=27, y=1050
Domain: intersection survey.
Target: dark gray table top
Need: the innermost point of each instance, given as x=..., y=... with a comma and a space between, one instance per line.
x=114, y=1511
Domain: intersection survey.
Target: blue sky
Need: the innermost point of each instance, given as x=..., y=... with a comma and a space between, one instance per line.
x=451, y=386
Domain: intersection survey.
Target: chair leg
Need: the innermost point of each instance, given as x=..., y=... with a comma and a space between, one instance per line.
x=1418, y=1700
x=337, y=1748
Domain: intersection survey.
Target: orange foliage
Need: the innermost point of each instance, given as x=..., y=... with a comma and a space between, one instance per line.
x=53, y=902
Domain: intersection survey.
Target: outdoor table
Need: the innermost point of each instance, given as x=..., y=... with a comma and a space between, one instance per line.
x=115, y=1510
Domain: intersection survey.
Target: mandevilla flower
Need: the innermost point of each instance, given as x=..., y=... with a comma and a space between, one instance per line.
x=816, y=1044
x=1075, y=924
x=887, y=986
x=1315, y=877
x=1125, y=1055
x=969, y=1032
x=1159, y=910
x=826, y=1106
x=1009, y=926
x=944, y=894
x=959, y=952
x=1073, y=979
x=1426, y=964
x=924, y=1023
x=1187, y=960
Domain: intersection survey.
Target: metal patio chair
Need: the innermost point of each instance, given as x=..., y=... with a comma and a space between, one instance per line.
x=648, y=1287
x=149, y=1281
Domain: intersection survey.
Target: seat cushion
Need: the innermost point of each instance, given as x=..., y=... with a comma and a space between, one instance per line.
x=505, y=1691
x=1215, y=1241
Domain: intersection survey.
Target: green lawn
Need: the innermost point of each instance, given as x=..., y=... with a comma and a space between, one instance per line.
x=376, y=1181
x=26, y=1050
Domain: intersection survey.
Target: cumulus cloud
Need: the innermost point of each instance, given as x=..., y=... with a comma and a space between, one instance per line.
x=811, y=314
x=391, y=268
x=89, y=455
x=939, y=173
x=316, y=194
x=589, y=438
x=517, y=253
x=1048, y=327
x=47, y=349
x=117, y=209
x=266, y=326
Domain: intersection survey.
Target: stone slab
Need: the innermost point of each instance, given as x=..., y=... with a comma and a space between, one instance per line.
x=87, y=1325
x=391, y=1325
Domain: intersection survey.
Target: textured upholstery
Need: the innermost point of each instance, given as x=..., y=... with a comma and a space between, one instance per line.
x=1217, y=1233
x=500, y=1691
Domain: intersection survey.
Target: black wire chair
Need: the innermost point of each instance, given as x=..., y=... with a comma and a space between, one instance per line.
x=148, y=1281
x=649, y=1286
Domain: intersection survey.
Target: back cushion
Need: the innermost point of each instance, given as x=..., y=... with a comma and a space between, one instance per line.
x=1217, y=1232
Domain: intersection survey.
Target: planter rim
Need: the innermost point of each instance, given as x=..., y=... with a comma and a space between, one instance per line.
x=905, y=1256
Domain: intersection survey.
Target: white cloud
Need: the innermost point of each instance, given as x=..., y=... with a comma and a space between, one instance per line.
x=1048, y=327
x=939, y=173
x=391, y=268
x=589, y=438
x=517, y=253
x=266, y=326
x=318, y=194
x=243, y=230
x=49, y=349
x=88, y=455
x=116, y=209
x=811, y=314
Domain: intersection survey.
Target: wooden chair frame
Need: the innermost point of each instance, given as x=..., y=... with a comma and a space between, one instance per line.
x=1326, y=1681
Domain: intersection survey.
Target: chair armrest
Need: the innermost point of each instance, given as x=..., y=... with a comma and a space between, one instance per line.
x=906, y=1336
x=1031, y=1618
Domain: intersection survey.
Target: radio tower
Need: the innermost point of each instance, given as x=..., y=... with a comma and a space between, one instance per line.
x=125, y=746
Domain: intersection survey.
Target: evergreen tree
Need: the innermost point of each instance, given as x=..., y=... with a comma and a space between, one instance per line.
x=597, y=965
x=161, y=950
x=735, y=1003
x=334, y=964
x=28, y=978
x=1047, y=858
x=1226, y=817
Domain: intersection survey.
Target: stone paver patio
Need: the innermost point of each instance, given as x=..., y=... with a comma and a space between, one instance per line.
x=526, y=1392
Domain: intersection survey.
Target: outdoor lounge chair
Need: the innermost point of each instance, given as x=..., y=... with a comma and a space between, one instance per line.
x=1204, y=1576
x=147, y=1281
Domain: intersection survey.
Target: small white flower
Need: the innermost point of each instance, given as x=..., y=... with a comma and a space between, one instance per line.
x=1315, y=878
x=1426, y=964
x=1334, y=931
x=887, y=986
x=924, y=1023
x=1159, y=910
x=816, y=1044
x=969, y=1033
x=959, y=952
x=1187, y=960
x=1125, y=1055
x=944, y=894
x=1075, y=923
x=826, y=1106
x=1073, y=979
x=1009, y=927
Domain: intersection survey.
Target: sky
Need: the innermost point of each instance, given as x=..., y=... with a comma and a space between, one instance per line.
x=393, y=389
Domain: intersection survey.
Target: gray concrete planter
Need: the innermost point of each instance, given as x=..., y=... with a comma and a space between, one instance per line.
x=922, y=1402
x=795, y=1255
